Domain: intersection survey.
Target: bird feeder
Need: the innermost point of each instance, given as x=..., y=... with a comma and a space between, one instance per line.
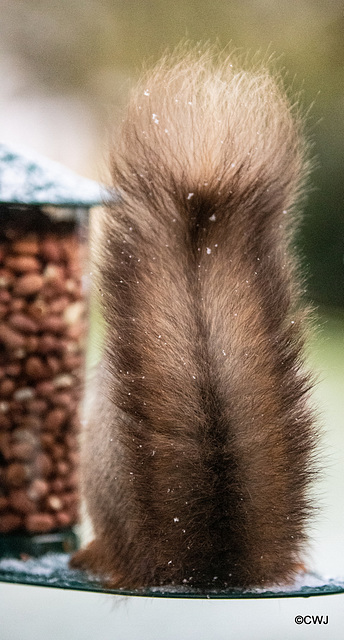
x=43, y=328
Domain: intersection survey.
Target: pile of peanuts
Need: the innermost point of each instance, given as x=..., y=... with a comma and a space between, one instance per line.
x=42, y=344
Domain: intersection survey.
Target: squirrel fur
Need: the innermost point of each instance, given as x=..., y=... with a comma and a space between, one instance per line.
x=198, y=452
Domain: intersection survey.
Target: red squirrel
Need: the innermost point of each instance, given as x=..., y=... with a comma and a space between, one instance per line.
x=198, y=452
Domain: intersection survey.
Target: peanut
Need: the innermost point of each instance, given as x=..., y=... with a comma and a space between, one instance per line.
x=10, y=338
x=9, y=522
x=28, y=284
x=23, y=323
x=41, y=336
x=28, y=246
x=55, y=419
x=39, y=522
x=20, y=501
x=22, y=263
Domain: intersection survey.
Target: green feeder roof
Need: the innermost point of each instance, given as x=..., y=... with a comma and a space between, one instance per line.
x=29, y=178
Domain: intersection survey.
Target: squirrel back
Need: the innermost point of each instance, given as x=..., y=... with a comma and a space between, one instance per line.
x=198, y=452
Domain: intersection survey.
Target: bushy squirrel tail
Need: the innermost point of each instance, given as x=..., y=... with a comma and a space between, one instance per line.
x=204, y=337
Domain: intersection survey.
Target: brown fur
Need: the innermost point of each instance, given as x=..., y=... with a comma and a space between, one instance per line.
x=198, y=452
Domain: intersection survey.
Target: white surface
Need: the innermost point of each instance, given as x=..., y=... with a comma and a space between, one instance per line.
x=41, y=613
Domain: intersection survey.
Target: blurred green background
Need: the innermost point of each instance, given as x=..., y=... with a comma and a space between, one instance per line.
x=66, y=69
